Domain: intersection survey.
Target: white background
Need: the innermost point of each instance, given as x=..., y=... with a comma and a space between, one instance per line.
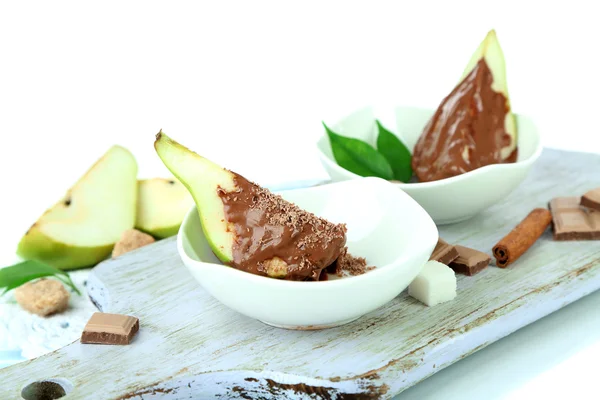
x=247, y=84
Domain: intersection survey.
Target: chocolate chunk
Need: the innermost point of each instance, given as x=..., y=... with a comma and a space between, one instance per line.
x=592, y=199
x=469, y=261
x=104, y=328
x=444, y=252
x=573, y=222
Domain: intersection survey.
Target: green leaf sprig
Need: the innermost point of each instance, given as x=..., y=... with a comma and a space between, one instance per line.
x=391, y=160
x=16, y=275
x=358, y=157
x=395, y=152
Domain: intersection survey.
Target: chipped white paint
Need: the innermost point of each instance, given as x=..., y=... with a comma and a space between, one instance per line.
x=191, y=346
x=35, y=335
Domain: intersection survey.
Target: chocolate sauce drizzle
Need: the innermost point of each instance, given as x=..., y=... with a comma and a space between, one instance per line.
x=466, y=132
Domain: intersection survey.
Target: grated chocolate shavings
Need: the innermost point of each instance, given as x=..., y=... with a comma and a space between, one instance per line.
x=283, y=213
x=267, y=226
x=347, y=264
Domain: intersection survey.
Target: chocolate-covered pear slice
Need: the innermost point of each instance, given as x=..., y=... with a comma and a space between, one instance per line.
x=473, y=126
x=247, y=226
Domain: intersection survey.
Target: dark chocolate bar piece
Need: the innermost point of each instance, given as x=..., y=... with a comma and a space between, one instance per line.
x=571, y=221
x=591, y=199
x=104, y=328
x=444, y=252
x=469, y=261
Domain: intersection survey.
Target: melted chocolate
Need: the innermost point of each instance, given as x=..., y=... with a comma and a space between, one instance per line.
x=466, y=132
x=266, y=226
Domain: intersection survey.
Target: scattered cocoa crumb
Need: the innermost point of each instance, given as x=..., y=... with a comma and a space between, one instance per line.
x=131, y=239
x=347, y=264
x=43, y=297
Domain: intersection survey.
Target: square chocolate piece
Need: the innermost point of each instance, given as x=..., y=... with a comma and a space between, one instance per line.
x=571, y=221
x=591, y=199
x=469, y=261
x=104, y=328
x=443, y=252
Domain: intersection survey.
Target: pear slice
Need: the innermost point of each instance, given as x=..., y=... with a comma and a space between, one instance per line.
x=202, y=177
x=248, y=227
x=82, y=228
x=490, y=51
x=473, y=126
x=162, y=205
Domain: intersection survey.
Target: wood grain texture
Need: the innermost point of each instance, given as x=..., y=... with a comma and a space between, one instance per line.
x=191, y=346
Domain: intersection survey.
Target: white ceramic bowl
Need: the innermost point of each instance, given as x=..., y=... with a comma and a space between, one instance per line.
x=384, y=225
x=448, y=200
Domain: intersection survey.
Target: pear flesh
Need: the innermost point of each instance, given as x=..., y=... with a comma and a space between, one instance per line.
x=81, y=229
x=201, y=178
x=474, y=125
x=162, y=205
x=248, y=227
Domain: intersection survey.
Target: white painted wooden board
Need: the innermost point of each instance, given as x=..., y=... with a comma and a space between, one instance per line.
x=191, y=346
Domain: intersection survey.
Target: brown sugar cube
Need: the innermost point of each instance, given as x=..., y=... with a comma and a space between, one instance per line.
x=131, y=239
x=105, y=328
x=591, y=199
x=43, y=297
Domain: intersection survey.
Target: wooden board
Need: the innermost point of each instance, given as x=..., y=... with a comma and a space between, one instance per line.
x=191, y=346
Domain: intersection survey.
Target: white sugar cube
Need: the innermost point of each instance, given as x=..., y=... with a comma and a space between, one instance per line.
x=434, y=285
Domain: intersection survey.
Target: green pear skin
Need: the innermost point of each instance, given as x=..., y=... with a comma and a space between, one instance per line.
x=202, y=178
x=81, y=229
x=162, y=206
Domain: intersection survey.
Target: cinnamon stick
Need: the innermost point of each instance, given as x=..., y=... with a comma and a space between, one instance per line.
x=522, y=237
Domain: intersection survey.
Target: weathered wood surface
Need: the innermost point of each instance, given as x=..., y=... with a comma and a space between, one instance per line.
x=35, y=335
x=191, y=346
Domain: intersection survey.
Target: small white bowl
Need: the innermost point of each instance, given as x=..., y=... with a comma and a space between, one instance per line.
x=448, y=200
x=385, y=226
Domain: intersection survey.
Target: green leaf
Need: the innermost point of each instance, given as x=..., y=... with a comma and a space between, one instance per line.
x=358, y=157
x=16, y=275
x=395, y=152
